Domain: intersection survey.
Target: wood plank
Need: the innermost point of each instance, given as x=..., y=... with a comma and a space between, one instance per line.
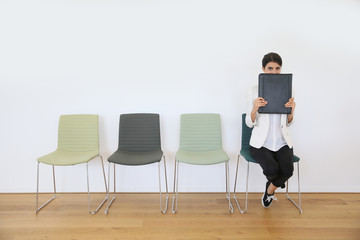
x=200, y=216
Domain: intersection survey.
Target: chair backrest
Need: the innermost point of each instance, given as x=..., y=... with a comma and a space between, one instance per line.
x=78, y=133
x=139, y=132
x=200, y=132
x=245, y=134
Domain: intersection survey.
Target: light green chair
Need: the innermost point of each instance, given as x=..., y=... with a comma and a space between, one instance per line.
x=200, y=144
x=78, y=142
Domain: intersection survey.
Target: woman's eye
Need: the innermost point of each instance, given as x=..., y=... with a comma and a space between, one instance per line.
x=270, y=68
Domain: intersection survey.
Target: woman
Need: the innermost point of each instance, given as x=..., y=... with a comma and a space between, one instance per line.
x=270, y=143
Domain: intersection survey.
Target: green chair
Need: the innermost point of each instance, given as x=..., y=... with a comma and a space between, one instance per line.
x=200, y=144
x=245, y=153
x=139, y=144
x=78, y=142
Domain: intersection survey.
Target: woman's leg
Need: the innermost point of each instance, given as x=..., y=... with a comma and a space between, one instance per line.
x=284, y=157
x=271, y=170
x=267, y=161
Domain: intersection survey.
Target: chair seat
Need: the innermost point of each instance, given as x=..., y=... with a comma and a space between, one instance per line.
x=132, y=158
x=246, y=154
x=65, y=158
x=202, y=157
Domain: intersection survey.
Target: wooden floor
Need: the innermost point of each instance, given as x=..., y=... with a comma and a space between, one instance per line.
x=199, y=216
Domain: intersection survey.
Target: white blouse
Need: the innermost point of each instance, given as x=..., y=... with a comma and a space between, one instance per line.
x=274, y=140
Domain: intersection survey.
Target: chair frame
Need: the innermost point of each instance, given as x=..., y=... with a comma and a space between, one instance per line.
x=114, y=193
x=88, y=190
x=298, y=205
x=176, y=187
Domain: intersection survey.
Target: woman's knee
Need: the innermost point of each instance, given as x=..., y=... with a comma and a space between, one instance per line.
x=288, y=172
x=271, y=172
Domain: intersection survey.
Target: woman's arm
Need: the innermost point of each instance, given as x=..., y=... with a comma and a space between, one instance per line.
x=253, y=103
x=259, y=102
x=291, y=103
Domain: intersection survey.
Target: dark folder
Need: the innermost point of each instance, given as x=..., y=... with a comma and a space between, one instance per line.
x=276, y=90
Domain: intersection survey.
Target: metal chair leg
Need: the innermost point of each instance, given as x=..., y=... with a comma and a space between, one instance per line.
x=106, y=189
x=114, y=196
x=247, y=181
x=176, y=186
x=37, y=190
x=228, y=196
x=287, y=191
x=166, y=185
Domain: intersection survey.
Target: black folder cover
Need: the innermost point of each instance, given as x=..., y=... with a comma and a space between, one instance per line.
x=276, y=90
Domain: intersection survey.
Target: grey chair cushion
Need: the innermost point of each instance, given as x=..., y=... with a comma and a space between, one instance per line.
x=139, y=140
x=135, y=158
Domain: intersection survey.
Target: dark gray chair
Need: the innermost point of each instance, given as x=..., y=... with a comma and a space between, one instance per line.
x=139, y=144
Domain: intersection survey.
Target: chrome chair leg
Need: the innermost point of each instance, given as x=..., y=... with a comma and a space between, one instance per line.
x=114, y=196
x=176, y=186
x=106, y=197
x=166, y=186
x=37, y=190
x=287, y=191
x=228, y=196
x=247, y=181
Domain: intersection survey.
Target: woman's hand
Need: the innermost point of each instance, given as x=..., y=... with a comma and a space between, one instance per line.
x=291, y=103
x=259, y=102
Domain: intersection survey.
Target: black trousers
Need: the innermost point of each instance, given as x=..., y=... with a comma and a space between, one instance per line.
x=277, y=166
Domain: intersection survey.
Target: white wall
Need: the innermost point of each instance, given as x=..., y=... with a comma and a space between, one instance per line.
x=171, y=57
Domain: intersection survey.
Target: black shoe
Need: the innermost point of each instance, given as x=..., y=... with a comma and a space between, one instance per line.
x=283, y=185
x=267, y=198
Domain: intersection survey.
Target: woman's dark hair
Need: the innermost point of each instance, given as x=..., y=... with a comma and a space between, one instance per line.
x=271, y=57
